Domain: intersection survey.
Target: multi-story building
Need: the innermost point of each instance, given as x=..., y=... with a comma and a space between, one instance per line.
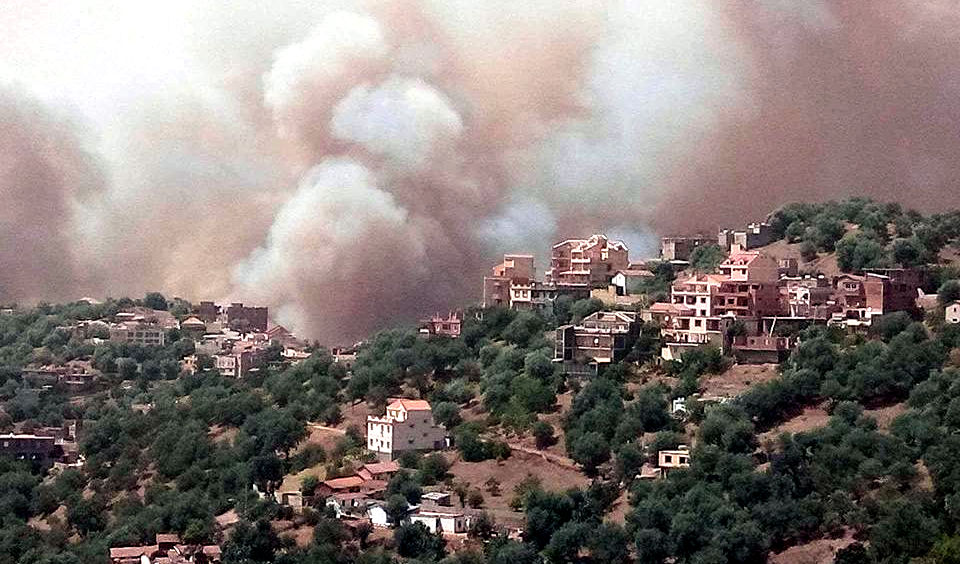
x=408, y=425
x=532, y=295
x=246, y=318
x=515, y=269
x=745, y=290
x=139, y=333
x=860, y=298
x=755, y=235
x=241, y=360
x=39, y=450
x=441, y=326
x=673, y=459
x=601, y=338
x=808, y=297
x=680, y=248
x=588, y=263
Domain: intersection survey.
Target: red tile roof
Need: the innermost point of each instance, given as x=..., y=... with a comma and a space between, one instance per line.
x=381, y=467
x=344, y=483
x=410, y=405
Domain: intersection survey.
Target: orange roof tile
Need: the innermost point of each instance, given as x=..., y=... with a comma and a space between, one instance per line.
x=410, y=405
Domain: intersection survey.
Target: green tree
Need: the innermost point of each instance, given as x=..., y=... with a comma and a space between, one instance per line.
x=543, y=434
x=155, y=300
x=706, y=258
x=414, y=540
x=949, y=292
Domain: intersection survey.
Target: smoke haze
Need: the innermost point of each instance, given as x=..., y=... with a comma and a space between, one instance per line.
x=355, y=164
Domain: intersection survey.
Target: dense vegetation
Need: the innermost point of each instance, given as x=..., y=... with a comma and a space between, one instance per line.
x=167, y=452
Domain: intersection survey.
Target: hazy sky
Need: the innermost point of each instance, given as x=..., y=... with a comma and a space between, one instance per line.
x=354, y=164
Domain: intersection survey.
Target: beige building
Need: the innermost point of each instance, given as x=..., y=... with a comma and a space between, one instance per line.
x=515, y=269
x=139, y=333
x=589, y=263
x=448, y=522
x=603, y=337
x=672, y=459
x=952, y=312
x=408, y=425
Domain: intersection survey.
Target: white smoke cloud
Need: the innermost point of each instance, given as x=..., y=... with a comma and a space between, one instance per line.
x=407, y=121
x=309, y=77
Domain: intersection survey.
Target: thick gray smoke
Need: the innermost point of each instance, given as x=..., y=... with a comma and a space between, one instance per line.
x=356, y=163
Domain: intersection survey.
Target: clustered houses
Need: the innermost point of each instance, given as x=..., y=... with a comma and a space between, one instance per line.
x=755, y=235
x=236, y=339
x=737, y=308
x=680, y=248
x=408, y=425
x=577, y=266
x=167, y=549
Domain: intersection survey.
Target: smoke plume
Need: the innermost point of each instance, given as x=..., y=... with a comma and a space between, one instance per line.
x=354, y=164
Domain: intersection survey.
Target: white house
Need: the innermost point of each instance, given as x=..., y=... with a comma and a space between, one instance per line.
x=952, y=312
x=442, y=521
x=377, y=513
x=407, y=425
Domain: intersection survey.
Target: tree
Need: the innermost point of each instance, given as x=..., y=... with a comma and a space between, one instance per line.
x=155, y=300
x=447, y=414
x=808, y=251
x=363, y=530
x=591, y=450
x=543, y=434
x=475, y=499
x=949, y=292
x=706, y=258
x=483, y=527
x=492, y=485
x=414, y=540
x=309, y=484
x=397, y=509
x=252, y=543
x=433, y=469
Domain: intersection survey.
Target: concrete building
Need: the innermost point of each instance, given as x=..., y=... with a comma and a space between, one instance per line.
x=589, y=263
x=245, y=318
x=408, y=425
x=441, y=326
x=755, y=235
x=532, y=295
x=448, y=522
x=515, y=269
x=378, y=471
x=39, y=450
x=601, y=338
x=167, y=549
x=680, y=248
x=952, y=312
x=673, y=459
x=139, y=333
x=240, y=360
x=628, y=282
x=761, y=349
x=744, y=291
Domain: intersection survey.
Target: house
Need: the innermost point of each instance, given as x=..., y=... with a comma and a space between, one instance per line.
x=381, y=471
x=290, y=498
x=586, y=263
x=167, y=549
x=408, y=425
x=246, y=318
x=349, y=484
x=243, y=358
x=193, y=325
x=753, y=236
x=377, y=513
x=532, y=295
x=952, y=312
x=744, y=290
x=603, y=337
x=680, y=248
x=138, y=332
x=449, y=522
x=441, y=326
x=436, y=499
x=350, y=503
x=629, y=281
x=39, y=450
x=761, y=349
x=808, y=297
x=672, y=459
x=515, y=269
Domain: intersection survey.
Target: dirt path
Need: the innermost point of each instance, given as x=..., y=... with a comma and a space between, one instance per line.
x=551, y=458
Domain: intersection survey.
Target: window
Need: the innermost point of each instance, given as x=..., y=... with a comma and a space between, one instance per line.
x=667, y=459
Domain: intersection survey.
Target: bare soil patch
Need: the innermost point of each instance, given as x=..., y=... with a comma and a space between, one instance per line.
x=820, y=551
x=509, y=473
x=738, y=379
x=886, y=415
x=809, y=419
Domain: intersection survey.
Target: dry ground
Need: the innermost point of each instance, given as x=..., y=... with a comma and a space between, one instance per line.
x=820, y=551
x=811, y=418
x=509, y=473
x=886, y=415
x=738, y=378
